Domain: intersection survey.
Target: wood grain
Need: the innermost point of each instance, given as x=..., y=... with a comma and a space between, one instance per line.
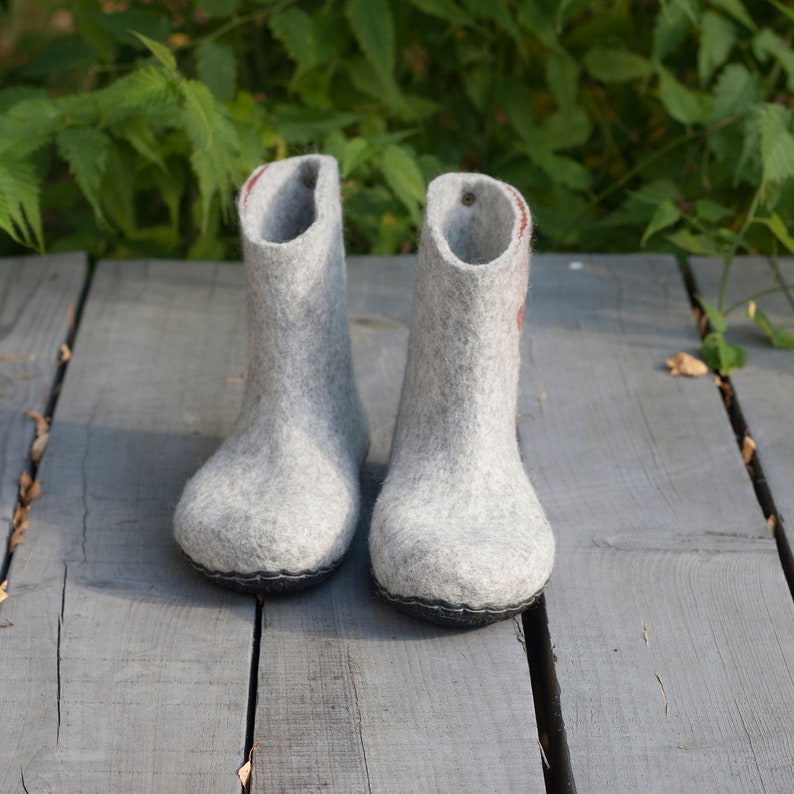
x=354, y=697
x=121, y=669
x=764, y=388
x=671, y=620
x=37, y=298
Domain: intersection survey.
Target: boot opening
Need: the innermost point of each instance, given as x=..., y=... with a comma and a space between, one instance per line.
x=479, y=223
x=292, y=209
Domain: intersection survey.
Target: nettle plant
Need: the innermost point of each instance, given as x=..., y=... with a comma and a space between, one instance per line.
x=126, y=129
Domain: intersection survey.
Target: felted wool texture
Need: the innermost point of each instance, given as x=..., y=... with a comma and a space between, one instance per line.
x=458, y=533
x=276, y=506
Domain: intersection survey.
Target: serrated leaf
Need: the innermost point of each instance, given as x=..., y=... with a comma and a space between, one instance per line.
x=20, y=213
x=217, y=67
x=716, y=317
x=717, y=38
x=721, y=355
x=735, y=92
x=128, y=26
x=85, y=150
x=683, y=104
x=215, y=146
x=140, y=93
x=498, y=12
x=160, y=51
x=666, y=214
x=780, y=337
x=404, y=178
x=670, y=28
x=561, y=170
x=615, y=66
x=381, y=87
x=777, y=143
x=299, y=125
x=139, y=135
x=293, y=28
x=372, y=25
x=355, y=152
x=444, y=9
x=737, y=10
x=27, y=126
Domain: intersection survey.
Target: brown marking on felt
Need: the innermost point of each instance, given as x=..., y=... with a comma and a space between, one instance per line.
x=523, y=207
x=520, y=316
x=249, y=185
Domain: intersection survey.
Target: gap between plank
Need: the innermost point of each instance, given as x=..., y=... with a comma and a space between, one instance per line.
x=741, y=430
x=253, y=680
x=31, y=466
x=556, y=758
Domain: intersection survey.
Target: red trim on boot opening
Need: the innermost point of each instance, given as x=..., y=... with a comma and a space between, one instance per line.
x=520, y=316
x=249, y=185
x=523, y=207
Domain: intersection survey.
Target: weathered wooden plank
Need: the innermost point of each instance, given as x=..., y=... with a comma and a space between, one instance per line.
x=37, y=298
x=354, y=697
x=670, y=617
x=764, y=388
x=122, y=669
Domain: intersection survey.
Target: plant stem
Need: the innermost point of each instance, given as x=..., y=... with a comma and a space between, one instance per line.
x=768, y=291
x=728, y=262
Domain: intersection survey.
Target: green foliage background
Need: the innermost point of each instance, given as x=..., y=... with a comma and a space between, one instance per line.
x=126, y=127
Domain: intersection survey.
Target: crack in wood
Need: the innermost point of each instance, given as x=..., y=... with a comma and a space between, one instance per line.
x=359, y=718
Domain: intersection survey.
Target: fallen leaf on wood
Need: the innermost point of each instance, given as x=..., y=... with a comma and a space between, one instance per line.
x=748, y=448
x=244, y=772
x=66, y=354
x=38, y=447
x=771, y=524
x=3, y=590
x=29, y=489
x=684, y=364
x=20, y=525
x=42, y=424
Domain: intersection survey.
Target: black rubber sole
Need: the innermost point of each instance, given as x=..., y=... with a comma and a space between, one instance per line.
x=265, y=582
x=442, y=613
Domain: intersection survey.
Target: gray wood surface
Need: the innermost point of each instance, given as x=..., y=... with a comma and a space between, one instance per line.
x=764, y=387
x=671, y=620
x=37, y=298
x=122, y=671
x=354, y=697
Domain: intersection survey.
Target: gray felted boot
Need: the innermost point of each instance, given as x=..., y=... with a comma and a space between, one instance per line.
x=458, y=535
x=275, y=508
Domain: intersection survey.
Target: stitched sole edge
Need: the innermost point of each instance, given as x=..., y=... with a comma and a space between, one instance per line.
x=265, y=581
x=443, y=613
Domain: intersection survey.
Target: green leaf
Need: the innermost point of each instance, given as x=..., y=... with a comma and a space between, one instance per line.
x=143, y=92
x=293, y=28
x=160, y=51
x=778, y=227
x=20, y=215
x=670, y=28
x=85, y=150
x=780, y=337
x=716, y=317
x=498, y=12
x=717, y=38
x=355, y=152
x=444, y=9
x=371, y=23
x=735, y=92
x=218, y=8
x=777, y=143
x=693, y=243
x=216, y=66
x=667, y=214
x=139, y=135
x=404, y=178
x=721, y=355
x=300, y=125
x=737, y=10
x=562, y=78
x=562, y=170
x=27, y=126
x=711, y=211
x=683, y=104
x=215, y=146
x=615, y=66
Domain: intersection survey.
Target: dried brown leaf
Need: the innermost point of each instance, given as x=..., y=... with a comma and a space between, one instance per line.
x=38, y=447
x=3, y=590
x=42, y=424
x=244, y=773
x=29, y=489
x=748, y=448
x=25, y=481
x=684, y=364
x=771, y=524
x=65, y=355
x=20, y=525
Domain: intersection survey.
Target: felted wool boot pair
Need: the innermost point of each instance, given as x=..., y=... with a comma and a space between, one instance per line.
x=458, y=535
